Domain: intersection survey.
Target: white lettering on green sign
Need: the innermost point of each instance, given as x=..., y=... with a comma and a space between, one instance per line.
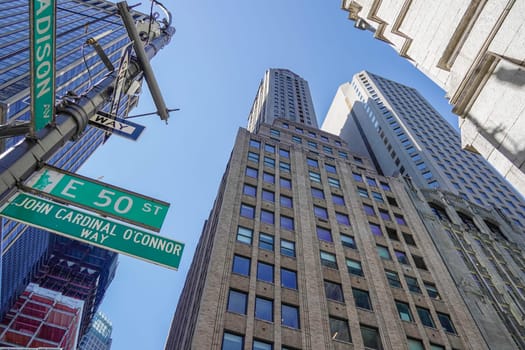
x=91, y=194
x=42, y=62
x=85, y=227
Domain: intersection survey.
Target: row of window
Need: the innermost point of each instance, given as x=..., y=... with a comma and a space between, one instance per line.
x=425, y=317
x=265, y=272
x=338, y=329
x=264, y=308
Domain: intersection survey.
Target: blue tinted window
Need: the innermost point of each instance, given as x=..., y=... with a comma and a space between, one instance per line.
x=241, y=265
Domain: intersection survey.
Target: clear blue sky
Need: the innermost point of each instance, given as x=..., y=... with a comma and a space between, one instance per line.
x=211, y=71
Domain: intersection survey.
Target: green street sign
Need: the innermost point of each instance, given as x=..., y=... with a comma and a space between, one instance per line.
x=92, y=229
x=42, y=14
x=98, y=196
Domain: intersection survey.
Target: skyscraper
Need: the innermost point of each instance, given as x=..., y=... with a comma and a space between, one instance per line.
x=282, y=94
x=80, y=24
x=473, y=50
x=406, y=135
x=454, y=191
x=98, y=337
x=308, y=247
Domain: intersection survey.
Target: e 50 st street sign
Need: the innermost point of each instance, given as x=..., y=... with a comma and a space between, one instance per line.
x=93, y=229
x=42, y=14
x=100, y=197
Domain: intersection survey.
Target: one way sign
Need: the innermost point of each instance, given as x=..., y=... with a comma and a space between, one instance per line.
x=117, y=126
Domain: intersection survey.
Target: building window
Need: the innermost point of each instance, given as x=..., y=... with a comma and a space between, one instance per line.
x=254, y=157
x=401, y=257
x=375, y=229
x=385, y=186
x=342, y=219
x=339, y=329
x=415, y=344
x=268, y=178
x=320, y=212
x=357, y=177
x=409, y=239
x=324, y=234
x=363, y=192
x=241, y=265
x=393, y=279
x=413, y=286
x=260, y=345
x=419, y=262
x=269, y=162
x=333, y=291
x=268, y=196
x=288, y=279
x=354, y=267
x=264, y=272
x=232, y=341
x=312, y=162
x=343, y=154
x=436, y=347
x=315, y=177
x=287, y=222
x=247, y=211
x=330, y=168
x=327, y=149
x=338, y=200
x=431, y=290
x=290, y=316
x=265, y=241
x=392, y=201
x=362, y=299
x=371, y=337
x=284, y=153
x=312, y=144
x=237, y=302
x=286, y=201
x=400, y=219
x=296, y=139
x=249, y=190
x=285, y=183
x=384, y=215
x=255, y=144
x=269, y=148
x=251, y=172
x=371, y=181
x=287, y=248
x=334, y=182
x=392, y=234
x=328, y=259
x=425, y=317
x=369, y=210
x=244, y=235
x=267, y=217
x=404, y=311
x=348, y=241
x=264, y=309
x=317, y=193
x=378, y=197
x=284, y=167
x=446, y=323
x=383, y=252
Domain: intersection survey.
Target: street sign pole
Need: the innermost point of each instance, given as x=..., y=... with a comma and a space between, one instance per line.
x=93, y=229
x=42, y=25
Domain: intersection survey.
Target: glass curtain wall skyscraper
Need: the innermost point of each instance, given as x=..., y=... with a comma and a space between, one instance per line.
x=78, y=67
x=407, y=135
x=308, y=247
